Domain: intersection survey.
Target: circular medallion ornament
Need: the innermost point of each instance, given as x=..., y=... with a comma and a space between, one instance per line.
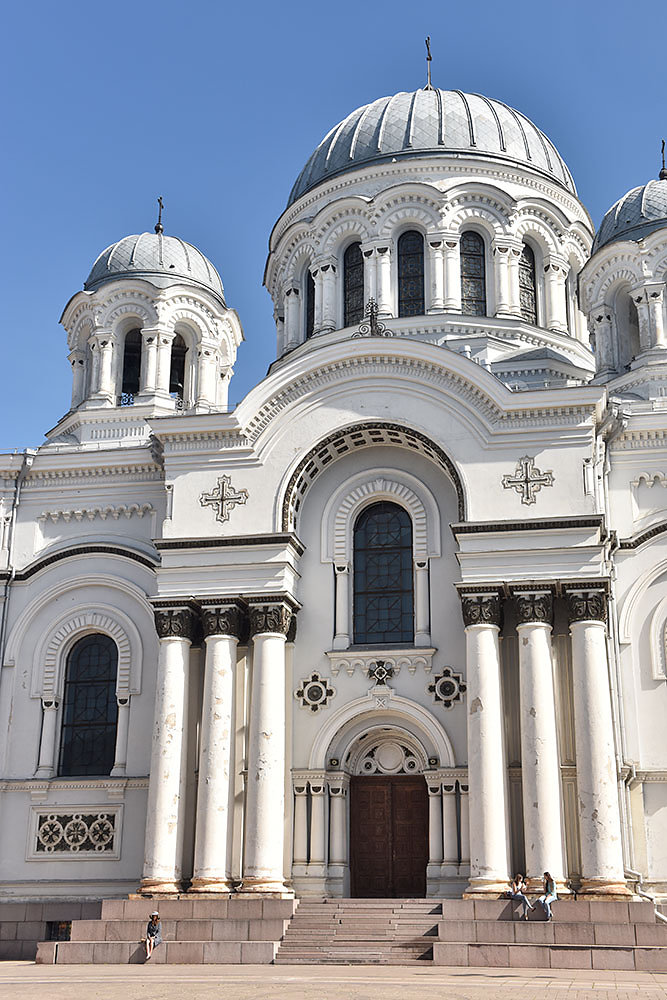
x=314, y=692
x=447, y=687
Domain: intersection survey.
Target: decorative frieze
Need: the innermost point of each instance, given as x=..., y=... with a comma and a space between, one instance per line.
x=90, y=513
x=77, y=832
x=586, y=605
x=482, y=609
x=534, y=606
x=177, y=623
x=367, y=661
x=224, y=619
x=314, y=692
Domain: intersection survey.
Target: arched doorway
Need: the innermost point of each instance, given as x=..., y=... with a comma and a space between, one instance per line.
x=389, y=834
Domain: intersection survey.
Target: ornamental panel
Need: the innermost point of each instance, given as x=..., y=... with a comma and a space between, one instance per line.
x=447, y=688
x=76, y=832
x=314, y=692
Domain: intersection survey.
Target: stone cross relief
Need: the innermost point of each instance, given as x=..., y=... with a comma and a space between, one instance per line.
x=527, y=480
x=224, y=497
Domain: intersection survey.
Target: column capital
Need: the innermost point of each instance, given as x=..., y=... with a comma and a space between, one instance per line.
x=481, y=606
x=326, y=263
x=224, y=618
x=534, y=605
x=175, y=620
x=587, y=602
x=272, y=614
x=451, y=241
x=555, y=262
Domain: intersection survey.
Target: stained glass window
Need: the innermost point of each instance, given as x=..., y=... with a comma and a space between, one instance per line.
x=310, y=304
x=383, y=588
x=527, y=291
x=131, y=367
x=177, y=368
x=411, y=274
x=353, y=285
x=88, y=734
x=473, y=275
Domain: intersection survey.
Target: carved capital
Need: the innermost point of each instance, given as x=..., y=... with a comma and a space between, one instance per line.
x=270, y=618
x=586, y=605
x=176, y=623
x=482, y=609
x=536, y=606
x=224, y=619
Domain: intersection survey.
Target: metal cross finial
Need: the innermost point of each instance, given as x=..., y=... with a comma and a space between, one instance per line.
x=429, y=57
x=663, y=172
x=371, y=326
x=159, y=228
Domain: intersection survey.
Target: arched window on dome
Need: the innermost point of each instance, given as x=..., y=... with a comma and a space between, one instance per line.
x=309, y=303
x=131, y=367
x=411, y=274
x=90, y=711
x=473, y=274
x=179, y=352
x=383, y=582
x=353, y=285
x=627, y=328
x=527, y=285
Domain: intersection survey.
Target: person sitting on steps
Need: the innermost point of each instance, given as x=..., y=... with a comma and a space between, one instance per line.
x=549, y=894
x=518, y=891
x=153, y=933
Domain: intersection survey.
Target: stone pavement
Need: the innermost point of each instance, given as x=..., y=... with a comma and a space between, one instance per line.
x=25, y=981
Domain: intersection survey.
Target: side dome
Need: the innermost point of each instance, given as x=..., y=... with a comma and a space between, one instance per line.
x=635, y=215
x=162, y=260
x=432, y=122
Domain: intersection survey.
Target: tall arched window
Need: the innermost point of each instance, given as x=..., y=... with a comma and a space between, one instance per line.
x=177, y=369
x=383, y=587
x=411, y=274
x=527, y=287
x=90, y=712
x=131, y=367
x=473, y=274
x=310, y=304
x=353, y=285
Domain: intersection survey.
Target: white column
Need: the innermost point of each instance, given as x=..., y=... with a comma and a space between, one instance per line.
x=465, y=825
x=540, y=766
x=328, y=320
x=384, y=296
x=164, y=341
x=489, y=862
x=46, y=767
x=370, y=273
x=265, y=799
x=450, y=854
x=318, y=840
x=452, y=251
x=338, y=821
x=600, y=321
x=602, y=870
x=293, y=331
x=222, y=627
x=342, y=578
x=78, y=363
x=163, y=851
x=501, y=254
x=437, y=258
x=122, y=733
x=422, y=604
x=149, y=338
x=555, y=272
x=655, y=296
x=207, y=368
x=513, y=279
x=103, y=384
x=300, y=837
x=434, y=822
x=318, y=284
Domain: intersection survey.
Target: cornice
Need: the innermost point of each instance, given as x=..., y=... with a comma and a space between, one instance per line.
x=82, y=550
x=286, y=538
x=634, y=541
x=537, y=524
x=141, y=472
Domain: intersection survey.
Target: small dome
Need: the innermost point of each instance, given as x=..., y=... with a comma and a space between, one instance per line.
x=638, y=213
x=162, y=260
x=432, y=122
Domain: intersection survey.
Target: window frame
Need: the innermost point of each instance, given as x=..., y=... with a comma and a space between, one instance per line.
x=485, y=259
x=64, y=767
x=408, y=232
x=405, y=550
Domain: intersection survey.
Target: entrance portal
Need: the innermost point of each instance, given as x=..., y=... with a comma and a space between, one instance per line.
x=388, y=836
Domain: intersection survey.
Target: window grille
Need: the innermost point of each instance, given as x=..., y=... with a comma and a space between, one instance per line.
x=353, y=285
x=473, y=275
x=131, y=367
x=310, y=304
x=527, y=289
x=90, y=711
x=411, y=274
x=383, y=585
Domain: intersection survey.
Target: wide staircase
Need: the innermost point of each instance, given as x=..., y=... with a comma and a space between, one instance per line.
x=361, y=932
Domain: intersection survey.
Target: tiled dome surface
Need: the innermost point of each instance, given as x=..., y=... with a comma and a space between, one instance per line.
x=635, y=215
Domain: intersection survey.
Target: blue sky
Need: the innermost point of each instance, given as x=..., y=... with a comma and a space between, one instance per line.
x=217, y=106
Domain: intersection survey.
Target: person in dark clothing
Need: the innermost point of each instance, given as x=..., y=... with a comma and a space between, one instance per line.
x=153, y=933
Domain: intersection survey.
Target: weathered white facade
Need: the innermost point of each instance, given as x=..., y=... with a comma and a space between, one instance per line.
x=272, y=726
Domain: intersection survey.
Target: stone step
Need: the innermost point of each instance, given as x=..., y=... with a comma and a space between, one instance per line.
x=553, y=932
x=198, y=909
x=181, y=930
x=536, y=956
x=169, y=952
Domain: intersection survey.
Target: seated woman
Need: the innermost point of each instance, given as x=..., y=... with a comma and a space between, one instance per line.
x=549, y=894
x=153, y=933
x=518, y=891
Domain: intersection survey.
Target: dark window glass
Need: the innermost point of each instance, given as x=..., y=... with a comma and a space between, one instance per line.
x=177, y=368
x=527, y=292
x=310, y=304
x=473, y=275
x=88, y=734
x=353, y=285
x=411, y=274
x=131, y=367
x=383, y=595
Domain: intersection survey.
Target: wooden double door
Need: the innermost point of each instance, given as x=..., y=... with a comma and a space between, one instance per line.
x=388, y=836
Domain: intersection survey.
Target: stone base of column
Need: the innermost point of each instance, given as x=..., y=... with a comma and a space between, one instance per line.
x=491, y=888
x=602, y=888
x=159, y=887
x=255, y=886
x=212, y=885
x=535, y=886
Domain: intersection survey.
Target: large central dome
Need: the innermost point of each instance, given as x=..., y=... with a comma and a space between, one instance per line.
x=427, y=122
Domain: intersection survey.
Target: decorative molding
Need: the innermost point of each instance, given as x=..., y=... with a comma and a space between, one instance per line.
x=532, y=524
x=314, y=692
x=658, y=642
x=483, y=608
x=176, y=623
x=380, y=672
x=447, y=688
x=102, y=512
x=224, y=618
x=390, y=757
x=527, y=480
x=534, y=606
x=86, y=550
x=288, y=539
x=75, y=833
x=224, y=497
x=350, y=660
x=586, y=605
x=634, y=541
x=276, y=618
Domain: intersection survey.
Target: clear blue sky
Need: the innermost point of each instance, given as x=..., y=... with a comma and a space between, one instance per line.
x=217, y=105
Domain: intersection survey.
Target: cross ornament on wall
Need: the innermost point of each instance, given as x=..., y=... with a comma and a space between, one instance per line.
x=527, y=480
x=224, y=497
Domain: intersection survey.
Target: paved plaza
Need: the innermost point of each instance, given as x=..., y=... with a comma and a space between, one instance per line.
x=25, y=981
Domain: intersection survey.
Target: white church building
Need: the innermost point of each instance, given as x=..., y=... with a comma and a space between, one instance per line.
x=396, y=624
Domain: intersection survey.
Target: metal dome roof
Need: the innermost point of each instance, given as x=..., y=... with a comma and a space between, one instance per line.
x=431, y=121
x=162, y=260
x=635, y=215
